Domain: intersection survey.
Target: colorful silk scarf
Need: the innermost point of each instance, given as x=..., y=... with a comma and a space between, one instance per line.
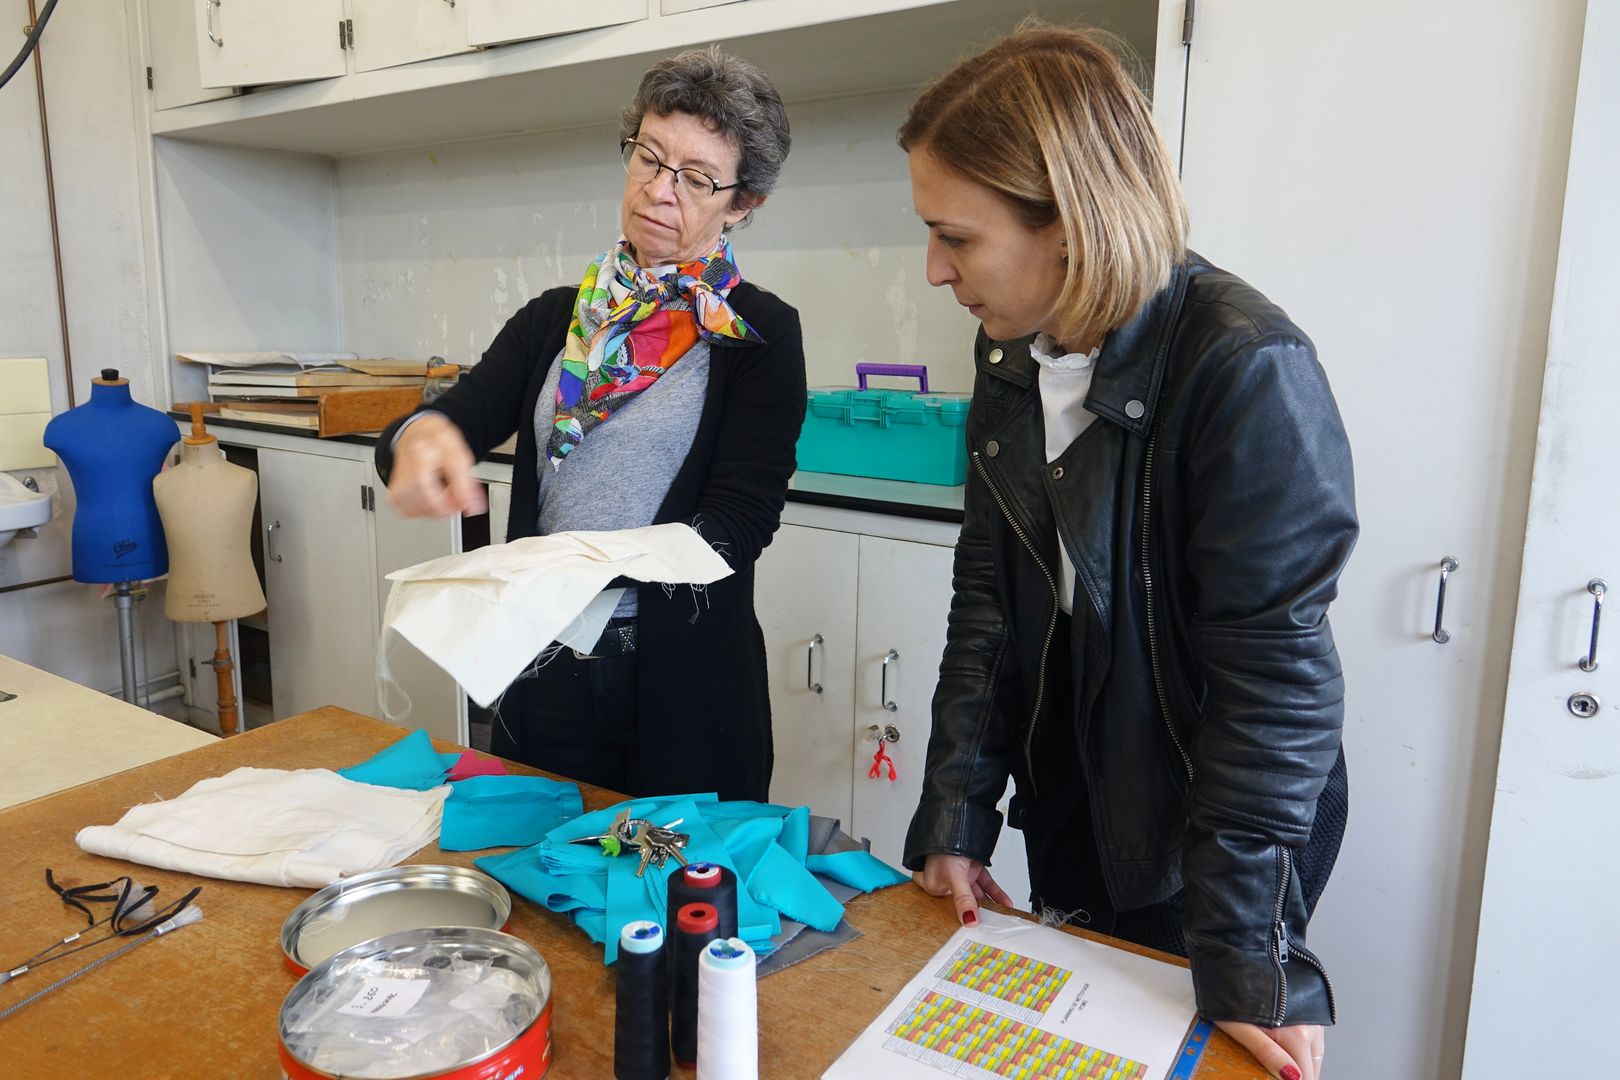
x=614, y=351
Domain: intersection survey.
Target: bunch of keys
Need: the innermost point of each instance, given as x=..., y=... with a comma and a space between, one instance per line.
x=656, y=843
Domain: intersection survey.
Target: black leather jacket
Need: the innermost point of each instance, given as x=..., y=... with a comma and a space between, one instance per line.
x=1208, y=513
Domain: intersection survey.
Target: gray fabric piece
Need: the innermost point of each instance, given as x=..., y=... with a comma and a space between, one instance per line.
x=806, y=945
x=618, y=476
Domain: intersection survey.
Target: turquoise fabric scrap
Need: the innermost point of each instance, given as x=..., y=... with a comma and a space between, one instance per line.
x=858, y=869
x=506, y=811
x=411, y=763
x=763, y=844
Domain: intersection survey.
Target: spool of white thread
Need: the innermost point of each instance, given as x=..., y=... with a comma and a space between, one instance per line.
x=728, y=1012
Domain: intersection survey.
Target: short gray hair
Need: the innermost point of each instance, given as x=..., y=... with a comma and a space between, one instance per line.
x=734, y=98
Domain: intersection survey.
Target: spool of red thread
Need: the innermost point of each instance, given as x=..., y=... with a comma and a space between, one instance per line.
x=695, y=926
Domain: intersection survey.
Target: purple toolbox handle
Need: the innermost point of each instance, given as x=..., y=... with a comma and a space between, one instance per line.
x=917, y=371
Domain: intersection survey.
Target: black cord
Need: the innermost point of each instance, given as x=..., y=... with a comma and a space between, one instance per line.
x=28, y=45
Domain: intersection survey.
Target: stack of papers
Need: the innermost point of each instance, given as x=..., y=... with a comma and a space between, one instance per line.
x=285, y=388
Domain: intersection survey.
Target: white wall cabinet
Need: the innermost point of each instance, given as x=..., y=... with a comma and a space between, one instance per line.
x=330, y=539
x=492, y=22
x=879, y=606
x=259, y=42
x=173, y=61
x=204, y=49
x=388, y=33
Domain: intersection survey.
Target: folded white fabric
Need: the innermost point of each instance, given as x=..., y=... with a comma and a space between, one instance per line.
x=303, y=827
x=483, y=616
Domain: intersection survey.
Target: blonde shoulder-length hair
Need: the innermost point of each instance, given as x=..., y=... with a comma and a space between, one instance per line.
x=1049, y=118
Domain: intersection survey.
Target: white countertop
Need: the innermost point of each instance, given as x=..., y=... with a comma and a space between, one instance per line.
x=59, y=734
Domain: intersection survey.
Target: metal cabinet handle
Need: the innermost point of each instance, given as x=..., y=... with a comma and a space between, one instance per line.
x=1597, y=587
x=810, y=662
x=884, y=693
x=1448, y=566
x=269, y=536
x=208, y=14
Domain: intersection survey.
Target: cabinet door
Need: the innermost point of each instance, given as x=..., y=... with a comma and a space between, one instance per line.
x=905, y=600
x=491, y=22
x=1436, y=366
x=319, y=583
x=254, y=42
x=171, y=54
x=388, y=33
x=905, y=597
x=805, y=589
x=435, y=699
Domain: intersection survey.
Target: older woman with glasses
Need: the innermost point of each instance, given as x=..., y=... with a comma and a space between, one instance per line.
x=662, y=388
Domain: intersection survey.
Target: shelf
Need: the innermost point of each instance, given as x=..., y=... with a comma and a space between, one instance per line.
x=830, y=48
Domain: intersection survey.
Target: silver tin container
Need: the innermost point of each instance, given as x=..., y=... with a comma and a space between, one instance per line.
x=370, y=905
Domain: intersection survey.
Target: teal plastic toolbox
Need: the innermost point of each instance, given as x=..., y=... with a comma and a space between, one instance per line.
x=891, y=434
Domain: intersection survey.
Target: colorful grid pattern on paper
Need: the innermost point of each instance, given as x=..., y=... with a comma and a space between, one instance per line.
x=1002, y=980
x=963, y=1040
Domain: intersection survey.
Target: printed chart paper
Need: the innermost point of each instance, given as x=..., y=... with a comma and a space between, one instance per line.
x=1013, y=1000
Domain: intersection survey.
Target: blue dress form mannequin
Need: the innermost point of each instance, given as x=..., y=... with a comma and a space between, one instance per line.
x=113, y=447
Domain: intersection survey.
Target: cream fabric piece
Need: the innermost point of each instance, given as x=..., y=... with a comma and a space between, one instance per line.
x=484, y=616
x=303, y=827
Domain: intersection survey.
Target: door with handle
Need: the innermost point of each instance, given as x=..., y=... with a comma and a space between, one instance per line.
x=805, y=599
x=318, y=583
x=258, y=42
x=1548, y=950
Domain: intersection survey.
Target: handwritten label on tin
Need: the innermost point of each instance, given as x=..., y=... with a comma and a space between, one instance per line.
x=386, y=997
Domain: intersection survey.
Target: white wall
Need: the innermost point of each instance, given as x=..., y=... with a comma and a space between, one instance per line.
x=96, y=125
x=439, y=247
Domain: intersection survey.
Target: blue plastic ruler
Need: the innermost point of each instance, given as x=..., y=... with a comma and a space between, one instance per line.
x=1192, y=1050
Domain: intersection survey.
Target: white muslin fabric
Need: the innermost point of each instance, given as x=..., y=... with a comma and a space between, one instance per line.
x=484, y=616
x=299, y=827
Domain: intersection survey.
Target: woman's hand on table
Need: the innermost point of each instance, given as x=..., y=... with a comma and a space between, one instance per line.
x=966, y=881
x=433, y=471
x=1289, y=1053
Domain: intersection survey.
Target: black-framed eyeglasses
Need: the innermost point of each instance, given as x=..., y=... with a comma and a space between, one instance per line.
x=643, y=166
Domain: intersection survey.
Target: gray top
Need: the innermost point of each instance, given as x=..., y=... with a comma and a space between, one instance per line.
x=617, y=477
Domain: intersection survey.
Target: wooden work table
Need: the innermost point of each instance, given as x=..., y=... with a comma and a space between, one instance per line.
x=202, y=1003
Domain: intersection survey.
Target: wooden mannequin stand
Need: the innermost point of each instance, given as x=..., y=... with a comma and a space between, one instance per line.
x=207, y=508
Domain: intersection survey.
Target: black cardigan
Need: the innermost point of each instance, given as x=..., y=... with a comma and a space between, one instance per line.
x=700, y=657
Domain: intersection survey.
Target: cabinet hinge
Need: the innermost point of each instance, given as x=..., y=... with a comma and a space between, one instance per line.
x=1187, y=22
x=345, y=33
x=149, y=78
x=190, y=661
x=365, y=497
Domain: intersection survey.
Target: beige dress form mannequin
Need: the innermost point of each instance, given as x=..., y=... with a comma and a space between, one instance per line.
x=206, y=504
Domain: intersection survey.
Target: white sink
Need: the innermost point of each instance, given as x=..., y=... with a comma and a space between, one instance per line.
x=20, y=508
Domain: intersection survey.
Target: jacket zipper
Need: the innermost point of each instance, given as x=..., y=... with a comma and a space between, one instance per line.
x=1301, y=951
x=1051, y=625
x=1279, y=934
x=1152, y=619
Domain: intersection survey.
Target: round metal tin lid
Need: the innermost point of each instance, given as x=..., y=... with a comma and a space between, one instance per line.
x=400, y=898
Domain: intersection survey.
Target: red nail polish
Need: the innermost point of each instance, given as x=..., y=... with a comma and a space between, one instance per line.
x=1290, y=1072
x=971, y=918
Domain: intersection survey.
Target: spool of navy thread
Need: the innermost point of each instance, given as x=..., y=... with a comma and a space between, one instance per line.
x=705, y=883
x=641, y=1026
x=695, y=926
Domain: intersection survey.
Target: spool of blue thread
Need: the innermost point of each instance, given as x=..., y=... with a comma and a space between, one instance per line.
x=641, y=1024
